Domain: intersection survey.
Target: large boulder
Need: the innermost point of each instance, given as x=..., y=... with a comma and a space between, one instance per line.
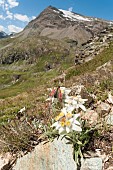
x=109, y=117
x=56, y=155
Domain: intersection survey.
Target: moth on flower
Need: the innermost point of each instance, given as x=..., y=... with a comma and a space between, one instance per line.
x=59, y=93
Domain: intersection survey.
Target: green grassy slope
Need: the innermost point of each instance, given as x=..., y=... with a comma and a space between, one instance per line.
x=30, y=89
x=91, y=65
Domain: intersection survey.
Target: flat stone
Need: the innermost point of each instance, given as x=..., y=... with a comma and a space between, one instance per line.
x=56, y=155
x=92, y=164
x=90, y=115
x=109, y=119
x=103, y=108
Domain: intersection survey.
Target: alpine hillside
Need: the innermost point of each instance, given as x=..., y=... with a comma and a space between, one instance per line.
x=57, y=41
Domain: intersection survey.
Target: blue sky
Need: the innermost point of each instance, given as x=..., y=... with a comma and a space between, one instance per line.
x=15, y=14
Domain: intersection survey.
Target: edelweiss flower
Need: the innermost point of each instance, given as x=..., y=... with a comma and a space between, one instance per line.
x=76, y=102
x=65, y=91
x=66, y=121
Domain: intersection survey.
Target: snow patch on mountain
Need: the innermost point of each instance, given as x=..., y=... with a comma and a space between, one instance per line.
x=73, y=16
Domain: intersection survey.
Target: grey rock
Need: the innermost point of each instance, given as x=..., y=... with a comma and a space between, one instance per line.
x=109, y=119
x=85, y=95
x=56, y=155
x=103, y=108
x=92, y=164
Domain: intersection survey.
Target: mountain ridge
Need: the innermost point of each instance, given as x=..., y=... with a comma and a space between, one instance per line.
x=52, y=31
x=53, y=18
x=3, y=34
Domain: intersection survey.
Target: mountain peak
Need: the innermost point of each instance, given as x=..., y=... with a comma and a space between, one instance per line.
x=61, y=24
x=3, y=34
x=60, y=30
x=74, y=16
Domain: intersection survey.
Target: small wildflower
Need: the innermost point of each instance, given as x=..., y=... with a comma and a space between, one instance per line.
x=22, y=110
x=59, y=93
x=76, y=102
x=67, y=123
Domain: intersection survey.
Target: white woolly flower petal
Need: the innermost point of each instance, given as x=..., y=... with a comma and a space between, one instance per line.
x=82, y=107
x=71, y=120
x=77, y=106
x=74, y=102
x=67, y=105
x=70, y=108
x=58, y=126
x=76, y=122
x=66, y=97
x=68, y=129
x=48, y=99
x=62, y=88
x=55, y=124
x=61, y=129
x=82, y=100
x=76, y=116
x=67, y=91
x=64, y=110
x=78, y=97
x=85, y=100
x=52, y=99
x=76, y=128
x=68, y=100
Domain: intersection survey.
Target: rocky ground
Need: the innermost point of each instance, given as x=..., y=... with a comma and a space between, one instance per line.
x=99, y=149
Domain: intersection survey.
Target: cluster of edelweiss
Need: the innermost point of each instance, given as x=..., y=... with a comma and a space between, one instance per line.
x=67, y=121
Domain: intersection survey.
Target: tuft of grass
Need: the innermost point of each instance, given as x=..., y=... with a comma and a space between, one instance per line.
x=19, y=135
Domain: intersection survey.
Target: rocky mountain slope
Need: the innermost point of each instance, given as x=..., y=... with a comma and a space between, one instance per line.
x=3, y=34
x=60, y=24
x=57, y=31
